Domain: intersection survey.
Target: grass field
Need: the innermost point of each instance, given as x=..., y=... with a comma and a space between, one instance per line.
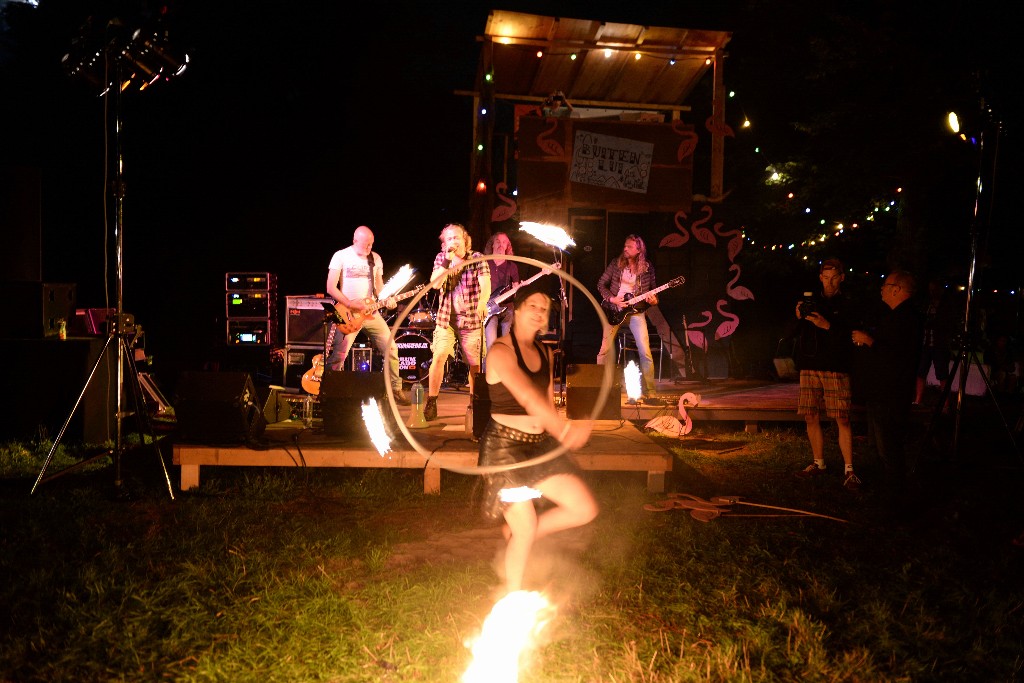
x=356, y=575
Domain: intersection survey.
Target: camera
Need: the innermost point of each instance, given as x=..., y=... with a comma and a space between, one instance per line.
x=808, y=304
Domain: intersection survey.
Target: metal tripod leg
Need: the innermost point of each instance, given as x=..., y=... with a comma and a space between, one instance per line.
x=140, y=410
x=963, y=363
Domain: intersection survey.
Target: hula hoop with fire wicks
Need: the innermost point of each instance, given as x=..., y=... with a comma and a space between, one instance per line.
x=438, y=458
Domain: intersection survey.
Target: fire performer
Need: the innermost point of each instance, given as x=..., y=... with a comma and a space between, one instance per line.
x=525, y=424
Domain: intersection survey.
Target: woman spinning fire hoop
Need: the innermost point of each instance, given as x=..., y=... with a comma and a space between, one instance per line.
x=524, y=424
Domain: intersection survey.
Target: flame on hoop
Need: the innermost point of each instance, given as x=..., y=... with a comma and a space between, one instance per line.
x=397, y=282
x=375, y=427
x=632, y=374
x=510, y=631
x=551, y=235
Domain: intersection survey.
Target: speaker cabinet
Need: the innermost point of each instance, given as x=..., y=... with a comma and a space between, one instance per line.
x=33, y=310
x=582, y=386
x=218, y=407
x=342, y=395
x=43, y=379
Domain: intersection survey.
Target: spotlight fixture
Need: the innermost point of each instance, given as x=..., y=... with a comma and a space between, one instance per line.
x=138, y=59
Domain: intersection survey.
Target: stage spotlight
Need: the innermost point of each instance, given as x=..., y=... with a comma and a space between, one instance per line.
x=141, y=58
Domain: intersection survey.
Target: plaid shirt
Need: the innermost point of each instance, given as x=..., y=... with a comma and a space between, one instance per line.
x=466, y=294
x=611, y=278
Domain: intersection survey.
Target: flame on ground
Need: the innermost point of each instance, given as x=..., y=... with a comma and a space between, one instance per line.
x=511, y=630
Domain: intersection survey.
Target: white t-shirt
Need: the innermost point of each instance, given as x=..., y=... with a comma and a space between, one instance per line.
x=626, y=283
x=356, y=279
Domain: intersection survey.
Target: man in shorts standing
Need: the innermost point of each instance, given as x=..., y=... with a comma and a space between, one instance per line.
x=824, y=355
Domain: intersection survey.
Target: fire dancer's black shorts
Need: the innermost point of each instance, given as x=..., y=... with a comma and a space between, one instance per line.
x=501, y=445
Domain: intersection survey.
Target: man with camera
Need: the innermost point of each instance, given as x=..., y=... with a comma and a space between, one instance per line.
x=557, y=106
x=824, y=356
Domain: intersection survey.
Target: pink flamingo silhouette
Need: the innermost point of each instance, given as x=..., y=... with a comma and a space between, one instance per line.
x=503, y=213
x=739, y=292
x=689, y=142
x=546, y=144
x=700, y=232
x=730, y=325
x=735, y=241
x=674, y=240
x=720, y=128
x=697, y=337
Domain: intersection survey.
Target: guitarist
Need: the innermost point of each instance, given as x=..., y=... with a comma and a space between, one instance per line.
x=354, y=277
x=504, y=276
x=626, y=277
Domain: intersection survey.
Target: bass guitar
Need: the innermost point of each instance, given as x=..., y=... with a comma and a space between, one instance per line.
x=350, y=321
x=637, y=304
x=494, y=305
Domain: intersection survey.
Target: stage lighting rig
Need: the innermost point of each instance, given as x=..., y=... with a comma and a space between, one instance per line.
x=123, y=59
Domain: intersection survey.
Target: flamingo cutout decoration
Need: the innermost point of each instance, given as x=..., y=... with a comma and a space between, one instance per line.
x=729, y=326
x=700, y=232
x=739, y=292
x=689, y=142
x=503, y=213
x=546, y=144
x=719, y=128
x=697, y=337
x=674, y=240
x=735, y=241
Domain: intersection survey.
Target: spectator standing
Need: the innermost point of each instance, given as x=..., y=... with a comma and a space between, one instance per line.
x=893, y=348
x=824, y=353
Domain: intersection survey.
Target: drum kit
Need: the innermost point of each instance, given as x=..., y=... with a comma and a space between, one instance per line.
x=413, y=342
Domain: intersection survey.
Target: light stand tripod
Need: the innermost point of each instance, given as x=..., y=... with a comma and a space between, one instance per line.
x=125, y=358
x=967, y=354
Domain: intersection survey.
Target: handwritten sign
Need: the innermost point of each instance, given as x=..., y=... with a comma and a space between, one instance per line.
x=611, y=162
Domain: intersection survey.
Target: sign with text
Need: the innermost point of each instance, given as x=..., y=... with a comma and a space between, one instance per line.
x=611, y=162
x=615, y=165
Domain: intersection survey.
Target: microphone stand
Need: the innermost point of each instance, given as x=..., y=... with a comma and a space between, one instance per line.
x=559, y=256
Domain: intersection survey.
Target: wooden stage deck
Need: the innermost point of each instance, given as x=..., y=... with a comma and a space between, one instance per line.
x=616, y=445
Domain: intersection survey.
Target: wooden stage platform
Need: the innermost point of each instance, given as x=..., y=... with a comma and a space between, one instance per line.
x=616, y=445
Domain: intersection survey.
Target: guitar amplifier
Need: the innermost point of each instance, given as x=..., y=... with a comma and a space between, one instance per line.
x=304, y=320
x=298, y=360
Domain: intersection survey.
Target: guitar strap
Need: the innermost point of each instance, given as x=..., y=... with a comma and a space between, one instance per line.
x=330, y=341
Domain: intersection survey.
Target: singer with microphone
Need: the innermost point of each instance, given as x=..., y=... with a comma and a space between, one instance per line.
x=461, y=310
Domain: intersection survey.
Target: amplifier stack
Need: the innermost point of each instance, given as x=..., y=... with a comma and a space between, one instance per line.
x=250, y=301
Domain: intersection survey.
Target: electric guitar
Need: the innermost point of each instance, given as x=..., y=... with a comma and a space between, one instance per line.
x=311, y=378
x=637, y=304
x=494, y=305
x=350, y=321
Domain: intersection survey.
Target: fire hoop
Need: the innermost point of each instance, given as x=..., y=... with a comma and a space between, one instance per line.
x=434, y=458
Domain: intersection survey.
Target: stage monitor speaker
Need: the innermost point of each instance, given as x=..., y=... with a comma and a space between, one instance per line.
x=342, y=395
x=582, y=386
x=218, y=407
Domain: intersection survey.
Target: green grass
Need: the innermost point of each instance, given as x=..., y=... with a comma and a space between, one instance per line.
x=268, y=574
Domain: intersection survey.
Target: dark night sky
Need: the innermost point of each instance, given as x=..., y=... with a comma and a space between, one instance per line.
x=295, y=123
